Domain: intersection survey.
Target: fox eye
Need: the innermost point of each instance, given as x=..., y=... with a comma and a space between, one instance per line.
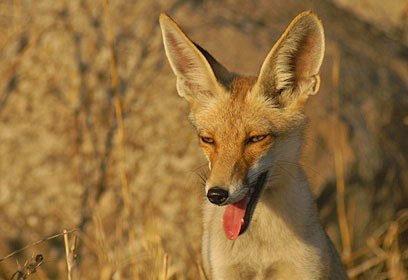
x=256, y=138
x=207, y=140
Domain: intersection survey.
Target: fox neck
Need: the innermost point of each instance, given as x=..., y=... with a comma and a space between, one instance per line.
x=285, y=167
x=286, y=195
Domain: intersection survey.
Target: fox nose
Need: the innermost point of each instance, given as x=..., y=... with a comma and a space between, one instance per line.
x=217, y=195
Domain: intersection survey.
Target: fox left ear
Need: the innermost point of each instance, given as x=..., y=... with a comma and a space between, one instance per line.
x=290, y=72
x=198, y=73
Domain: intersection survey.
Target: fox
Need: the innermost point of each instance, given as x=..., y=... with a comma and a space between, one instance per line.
x=260, y=220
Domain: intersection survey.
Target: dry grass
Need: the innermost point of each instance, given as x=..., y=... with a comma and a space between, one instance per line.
x=338, y=161
x=94, y=137
x=381, y=254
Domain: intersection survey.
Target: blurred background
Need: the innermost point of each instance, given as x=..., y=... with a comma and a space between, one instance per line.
x=128, y=189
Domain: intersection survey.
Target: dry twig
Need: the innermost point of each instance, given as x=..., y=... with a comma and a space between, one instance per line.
x=29, y=268
x=118, y=109
x=165, y=266
x=36, y=243
x=70, y=254
x=338, y=162
x=119, y=120
x=201, y=271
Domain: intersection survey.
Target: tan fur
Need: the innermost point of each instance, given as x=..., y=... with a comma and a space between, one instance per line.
x=285, y=239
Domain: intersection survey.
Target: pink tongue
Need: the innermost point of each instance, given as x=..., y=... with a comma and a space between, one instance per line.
x=234, y=213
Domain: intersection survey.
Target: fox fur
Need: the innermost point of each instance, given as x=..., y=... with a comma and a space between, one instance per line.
x=252, y=125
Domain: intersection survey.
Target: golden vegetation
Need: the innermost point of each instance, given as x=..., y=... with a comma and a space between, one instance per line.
x=94, y=138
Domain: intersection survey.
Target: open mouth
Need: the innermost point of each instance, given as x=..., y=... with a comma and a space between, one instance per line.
x=237, y=216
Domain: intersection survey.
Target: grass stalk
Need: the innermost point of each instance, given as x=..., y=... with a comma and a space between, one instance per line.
x=70, y=254
x=119, y=120
x=339, y=162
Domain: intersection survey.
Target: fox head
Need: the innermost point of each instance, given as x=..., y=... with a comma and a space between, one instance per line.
x=246, y=124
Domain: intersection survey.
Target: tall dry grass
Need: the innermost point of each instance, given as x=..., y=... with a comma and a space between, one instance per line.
x=382, y=256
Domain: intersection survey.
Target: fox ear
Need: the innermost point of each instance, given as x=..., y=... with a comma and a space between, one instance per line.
x=195, y=77
x=290, y=72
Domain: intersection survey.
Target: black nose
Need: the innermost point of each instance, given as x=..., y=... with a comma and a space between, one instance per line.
x=217, y=195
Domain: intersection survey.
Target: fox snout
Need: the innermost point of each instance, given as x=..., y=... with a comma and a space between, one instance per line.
x=217, y=196
x=221, y=194
x=227, y=180
x=225, y=194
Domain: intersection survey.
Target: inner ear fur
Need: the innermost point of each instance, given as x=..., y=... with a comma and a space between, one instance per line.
x=291, y=69
x=198, y=73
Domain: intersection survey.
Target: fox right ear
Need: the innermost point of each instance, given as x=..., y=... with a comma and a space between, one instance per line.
x=290, y=72
x=195, y=76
